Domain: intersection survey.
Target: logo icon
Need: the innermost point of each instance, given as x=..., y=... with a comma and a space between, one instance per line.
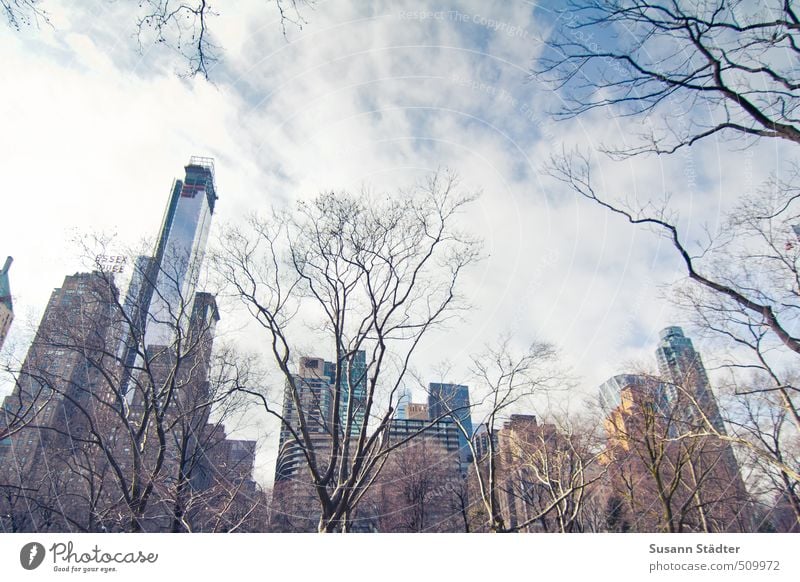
x=31, y=555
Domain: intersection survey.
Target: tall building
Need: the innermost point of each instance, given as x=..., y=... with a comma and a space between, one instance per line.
x=401, y=412
x=665, y=471
x=160, y=294
x=180, y=249
x=59, y=374
x=451, y=402
x=315, y=396
x=315, y=388
x=682, y=368
x=532, y=461
x=683, y=371
x=418, y=487
x=354, y=388
x=315, y=383
x=6, y=306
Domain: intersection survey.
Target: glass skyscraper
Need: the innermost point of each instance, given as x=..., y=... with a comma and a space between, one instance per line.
x=315, y=384
x=6, y=306
x=161, y=292
x=354, y=384
x=451, y=402
x=180, y=250
x=680, y=365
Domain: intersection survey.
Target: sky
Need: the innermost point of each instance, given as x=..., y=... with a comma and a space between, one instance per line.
x=371, y=95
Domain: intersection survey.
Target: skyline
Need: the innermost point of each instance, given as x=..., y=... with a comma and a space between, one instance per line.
x=555, y=272
x=458, y=396
x=412, y=91
x=93, y=292
x=268, y=452
x=470, y=268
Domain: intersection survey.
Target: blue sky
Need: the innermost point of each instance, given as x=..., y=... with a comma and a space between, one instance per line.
x=366, y=94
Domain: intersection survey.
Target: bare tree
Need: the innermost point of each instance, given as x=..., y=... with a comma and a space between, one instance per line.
x=551, y=473
x=743, y=289
x=20, y=13
x=373, y=276
x=762, y=377
x=183, y=26
x=686, y=70
x=727, y=57
x=416, y=489
x=730, y=64
x=506, y=381
x=125, y=420
x=670, y=474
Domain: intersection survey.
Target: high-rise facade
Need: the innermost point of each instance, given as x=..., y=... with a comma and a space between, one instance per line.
x=6, y=305
x=683, y=370
x=59, y=374
x=354, y=389
x=451, y=402
x=315, y=384
x=418, y=488
x=311, y=396
x=444, y=433
x=531, y=458
x=180, y=250
x=315, y=396
x=160, y=295
x=683, y=479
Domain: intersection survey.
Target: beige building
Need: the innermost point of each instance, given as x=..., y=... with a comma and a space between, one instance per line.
x=6, y=307
x=417, y=411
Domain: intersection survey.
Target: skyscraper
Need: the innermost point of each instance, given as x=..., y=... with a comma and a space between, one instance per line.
x=451, y=401
x=529, y=461
x=401, y=411
x=354, y=386
x=180, y=250
x=680, y=365
x=311, y=396
x=315, y=383
x=315, y=397
x=160, y=295
x=644, y=417
x=57, y=373
x=6, y=306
